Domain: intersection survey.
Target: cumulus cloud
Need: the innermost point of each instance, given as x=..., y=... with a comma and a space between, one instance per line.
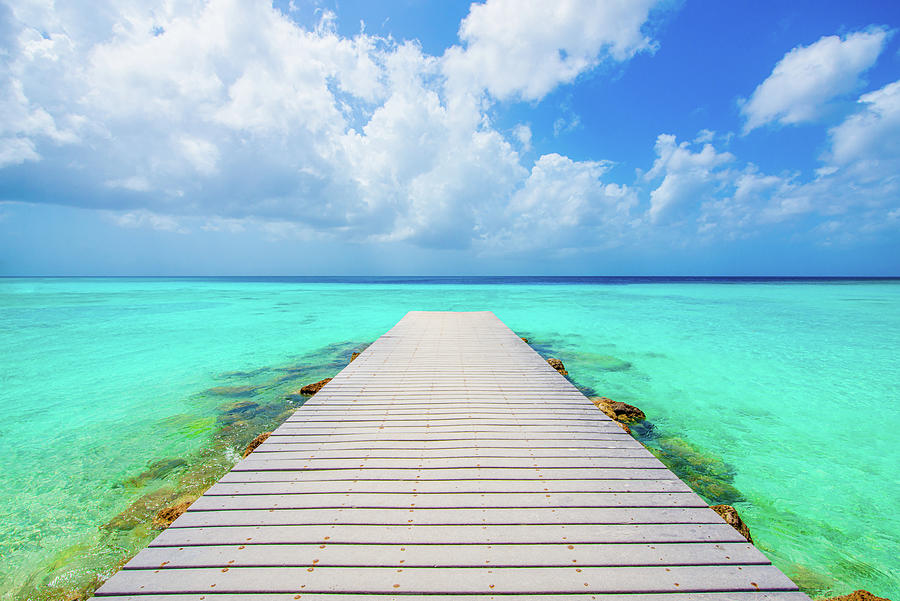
x=854, y=193
x=214, y=111
x=562, y=205
x=688, y=177
x=871, y=135
x=808, y=77
x=525, y=48
x=147, y=219
x=522, y=133
x=226, y=115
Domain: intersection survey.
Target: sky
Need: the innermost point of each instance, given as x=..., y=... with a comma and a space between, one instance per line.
x=519, y=137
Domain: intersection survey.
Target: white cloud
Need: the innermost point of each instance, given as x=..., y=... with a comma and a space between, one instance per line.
x=15, y=151
x=564, y=125
x=525, y=48
x=687, y=177
x=201, y=154
x=704, y=135
x=23, y=125
x=872, y=135
x=522, y=133
x=147, y=219
x=808, y=77
x=135, y=183
x=221, y=112
x=852, y=195
x=225, y=115
x=564, y=204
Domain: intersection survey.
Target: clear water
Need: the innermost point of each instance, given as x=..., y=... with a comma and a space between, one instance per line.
x=119, y=395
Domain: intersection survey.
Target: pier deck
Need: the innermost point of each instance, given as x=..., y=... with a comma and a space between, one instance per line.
x=450, y=462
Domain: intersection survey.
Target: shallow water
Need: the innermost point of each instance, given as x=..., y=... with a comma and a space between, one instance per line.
x=119, y=395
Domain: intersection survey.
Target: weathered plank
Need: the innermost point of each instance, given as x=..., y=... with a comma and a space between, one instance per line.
x=425, y=534
x=264, y=462
x=284, y=451
x=446, y=580
x=444, y=500
x=475, y=473
x=558, y=555
x=448, y=486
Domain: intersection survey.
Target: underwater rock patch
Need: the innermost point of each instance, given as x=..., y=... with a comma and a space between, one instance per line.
x=225, y=375
x=255, y=443
x=557, y=365
x=733, y=519
x=617, y=410
x=241, y=408
x=246, y=390
x=311, y=389
x=155, y=471
x=858, y=595
x=610, y=363
x=707, y=475
x=141, y=510
x=166, y=516
x=354, y=356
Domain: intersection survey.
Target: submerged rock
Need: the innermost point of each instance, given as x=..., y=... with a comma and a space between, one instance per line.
x=141, y=510
x=354, y=356
x=242, y=374
x=707, y=475
x=311, y=389
x=240, y=412
x=525, y=340
x=155, y=471
x=241, y=408
x=859, y=595
x=255, y=443
x=619, y=411
x=610, y=363
x=233, y=390
x=557, y=365
x=731, y=517
x=165, y=517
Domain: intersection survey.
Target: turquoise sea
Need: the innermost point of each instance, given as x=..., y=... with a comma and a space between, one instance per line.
x=118, y=396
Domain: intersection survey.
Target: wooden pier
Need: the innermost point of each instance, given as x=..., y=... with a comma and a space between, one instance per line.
x=450, y=462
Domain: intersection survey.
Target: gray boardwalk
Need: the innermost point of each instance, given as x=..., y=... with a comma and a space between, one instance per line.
x=450, y=462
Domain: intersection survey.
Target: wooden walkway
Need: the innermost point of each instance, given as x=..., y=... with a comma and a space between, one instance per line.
x=450, y=462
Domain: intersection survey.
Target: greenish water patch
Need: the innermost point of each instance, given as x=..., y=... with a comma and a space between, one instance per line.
x=220, y=430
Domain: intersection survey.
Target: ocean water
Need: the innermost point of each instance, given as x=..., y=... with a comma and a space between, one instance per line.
x=119, y=396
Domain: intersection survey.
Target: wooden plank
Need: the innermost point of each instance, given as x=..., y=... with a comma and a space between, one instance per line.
x=266, y=462
x=463, y=410
x=353, y=423
x=447, y=486
x=388, y=429
x=283, y=451
x=237, y=475
x=616, y=434
x=535, y=580
x=451, y=555
x=461, y=516
x=449, y=534
x=445, y=500
x=302, y=443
